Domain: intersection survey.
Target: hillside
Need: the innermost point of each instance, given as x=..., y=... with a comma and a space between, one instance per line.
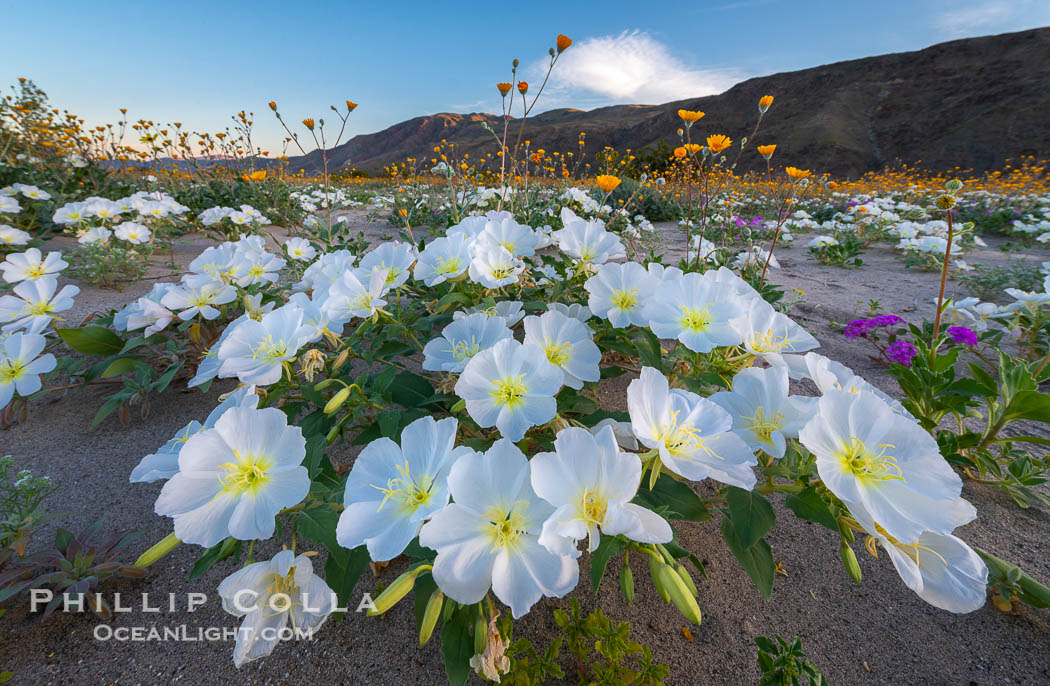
x=973, y=103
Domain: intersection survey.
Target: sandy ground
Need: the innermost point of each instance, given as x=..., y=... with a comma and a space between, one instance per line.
x=877, y=632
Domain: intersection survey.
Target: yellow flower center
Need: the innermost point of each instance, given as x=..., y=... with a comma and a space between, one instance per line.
x=769, y=342
x=406, y=491
x=270, y=350
x=866, y=465
x=452, y=265
x=464, y=350
x=507, y=526
x=684, y=439
x=256, y=271
x=502, y=272
x=593, y=507
x=10, y=371
x=625, y=299
x=695, y=318
x=246, y=474
x=36, y=271
x=509, y=391
x=558, y=354
x=762, y=426
x=40, y=308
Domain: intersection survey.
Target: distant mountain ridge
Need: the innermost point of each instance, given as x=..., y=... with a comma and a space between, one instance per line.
x=971, y=103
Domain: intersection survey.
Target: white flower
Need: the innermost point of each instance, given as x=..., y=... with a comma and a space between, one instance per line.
x=132, y=232
x=235, y=478
x=393, y=489
x=300, y=249
x=517, y=239
x=462, y=340
x=568, y=344
x=591, y=483
x=621, y=430
x=31, y=265
x=1025, y=299
x=493, y=266
x=96, y=234
x=941, y=569
x=101, y=208
x=260, y=267
x=510, y=311
x=198, y=295
x=620, y=292
x=693, y=434
x=34, y=303
x=443, y=259
x=267, y=595
x=510, y=386
x=698, y=312
x=575, y=310
x=489, y=536
x=767, y=331
x=20, y=368
x=879, y=462
x=255, y=351
x=587, y=241
x=822, y=242
x=164, y=463
x=349, y=297
x=9, y=235
x=395, y=257
x=763, y=413
x=9, y=205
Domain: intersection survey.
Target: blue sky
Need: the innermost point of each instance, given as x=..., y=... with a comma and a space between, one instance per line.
x=200, y=62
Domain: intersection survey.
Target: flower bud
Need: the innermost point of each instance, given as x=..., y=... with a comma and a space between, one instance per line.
x=678, y=592
x=158, y=550
x=687, y=578
x=430, y=616
x=627, y=583
x=954, y=186
x=849, y=561
x=654, y=573
x=393, y=593
x=481, y=634
x=337, y=400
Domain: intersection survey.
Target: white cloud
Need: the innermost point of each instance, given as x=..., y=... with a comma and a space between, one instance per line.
x=995, y=16
x=632, y=67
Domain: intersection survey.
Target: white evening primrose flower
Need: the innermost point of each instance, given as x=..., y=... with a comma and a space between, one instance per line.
x=620, y=292
x=9, y=235
x=575, y=310
x=877, y=461
x=102, y=209
x=255, y=351
x=587, y=241
x=591, y=483
x=517, y=239
x=443, y=259
x=349, y=297
x=260, y=267
x=461, y=340
x=621, y=430
x=30, y=265
x=393, y=489
x=768, y=332
x=9, y=205
x=1025, y=299
x=763, y=413
x=692, y=434
x=20, y=366
x=271, y=594
x=701, y=314
x=493, y=266
x=132, y=232
x=96, y=234
x=940, y=568
x=233, y=479
x=664, y=275
x=489, y=536
x=164, y=463
x=510, y=386
x=568, y=344
x=395, y=257
x=299, y=249
x=510, y=311
x=198, y=295
x=822, y=242
x=34, y=304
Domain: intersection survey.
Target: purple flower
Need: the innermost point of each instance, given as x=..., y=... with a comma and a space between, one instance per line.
x=901, y=352
x=857, y=327
x=885, y=320
x=962, y=334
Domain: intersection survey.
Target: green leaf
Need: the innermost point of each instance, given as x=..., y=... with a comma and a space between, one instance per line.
x=318, y=524
x=92, y=340
x=218, y=552
x=343, y=569
x=683, y=502
x=608, y=548
x=119, y=366
x=410, y=390
x=457, y=647
x=750, y=514
x=757, y=560
x=810, y=506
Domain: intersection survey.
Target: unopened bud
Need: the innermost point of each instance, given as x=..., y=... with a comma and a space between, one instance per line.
x=849, y=561
x=393, y=593
x=431, y=616
x=679, y=593
x=627, y=583
x=158, y=550
x=337, y=401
